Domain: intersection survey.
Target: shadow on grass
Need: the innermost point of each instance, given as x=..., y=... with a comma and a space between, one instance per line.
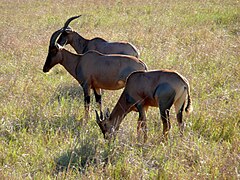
x=78, y=159
x=67, y=92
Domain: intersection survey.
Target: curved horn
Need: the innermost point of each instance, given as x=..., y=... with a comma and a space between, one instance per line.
x=69, y=20
x=97, y=117
x=54, y=37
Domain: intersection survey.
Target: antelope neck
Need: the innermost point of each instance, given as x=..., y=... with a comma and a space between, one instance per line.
x=117, y=115
x=85, y=49
x=70, y=62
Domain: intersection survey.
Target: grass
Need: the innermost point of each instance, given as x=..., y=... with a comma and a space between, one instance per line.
x=41, y=130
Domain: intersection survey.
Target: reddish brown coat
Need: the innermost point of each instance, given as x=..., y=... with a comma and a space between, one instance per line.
x=161, y=88
x=82, y=45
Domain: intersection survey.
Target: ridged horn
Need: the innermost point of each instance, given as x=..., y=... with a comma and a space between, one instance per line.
x=69, y=20
x=97, y=118
x=54, y=37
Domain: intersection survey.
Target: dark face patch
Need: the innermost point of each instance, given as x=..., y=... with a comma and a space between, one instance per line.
x=105, y=128
x=105, y=124
x=51, y=54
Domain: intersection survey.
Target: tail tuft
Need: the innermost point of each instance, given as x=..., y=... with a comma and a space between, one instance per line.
x=189, y=107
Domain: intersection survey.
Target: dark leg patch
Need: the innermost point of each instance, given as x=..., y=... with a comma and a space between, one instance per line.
x=98, y=97
x=87, y=100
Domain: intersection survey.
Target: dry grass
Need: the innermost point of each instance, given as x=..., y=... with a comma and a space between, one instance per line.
x=41, y=130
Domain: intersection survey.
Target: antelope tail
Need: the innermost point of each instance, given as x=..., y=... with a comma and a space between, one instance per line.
x=189, y=108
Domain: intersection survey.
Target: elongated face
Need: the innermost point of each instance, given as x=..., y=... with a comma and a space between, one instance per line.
x=105, y=126
x=54, y=52
x=53, y=58
x=59, y=37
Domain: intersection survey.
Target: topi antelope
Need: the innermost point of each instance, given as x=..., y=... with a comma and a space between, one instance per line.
x=93, y=70
x=161, y=88
x=82, y=45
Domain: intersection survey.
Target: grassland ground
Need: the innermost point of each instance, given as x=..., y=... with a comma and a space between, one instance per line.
x=41, y=130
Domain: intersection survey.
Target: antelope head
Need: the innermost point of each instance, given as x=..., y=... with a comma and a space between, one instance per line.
x=67, y=31
x=105, y=124
x=54, y=52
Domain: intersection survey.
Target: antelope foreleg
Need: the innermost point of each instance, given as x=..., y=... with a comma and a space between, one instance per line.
x=86, y=106
x=98, y=98
x=86, y=91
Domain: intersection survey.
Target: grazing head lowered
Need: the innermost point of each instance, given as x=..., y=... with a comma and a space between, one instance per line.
x=82, y=45
x=93, y=70
x=161, y=88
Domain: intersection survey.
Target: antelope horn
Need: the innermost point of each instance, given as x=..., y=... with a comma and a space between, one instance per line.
x=97, y=117
x=69, y=20
x=54, y=37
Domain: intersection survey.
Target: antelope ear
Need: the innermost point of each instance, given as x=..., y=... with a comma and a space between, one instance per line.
x=68, y=30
